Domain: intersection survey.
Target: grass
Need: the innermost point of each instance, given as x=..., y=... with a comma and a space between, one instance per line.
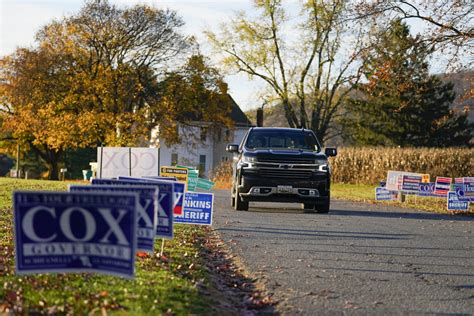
x=366, y=193
x=163, y=285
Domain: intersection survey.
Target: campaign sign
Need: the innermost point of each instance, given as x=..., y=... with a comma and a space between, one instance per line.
x=161, y=178
x=146, y=211
x=127, y=161
x=75, y=232
x=465, y=192
x=178, y=191
x=204, y=184
x=382, y=194
x=426, y=189
x=454, y=204
x=442, y=186
x=164, y=226
x=410, y=184
x=197, y=209
x=394, y=179
x=180, y=173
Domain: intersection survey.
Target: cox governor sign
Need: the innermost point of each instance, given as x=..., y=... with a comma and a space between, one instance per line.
x=75, y=232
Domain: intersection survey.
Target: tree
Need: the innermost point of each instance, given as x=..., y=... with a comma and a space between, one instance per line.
x=310, y=65
x=196, y=92
x=90, y=79
x=400, y=103
x=446, y=25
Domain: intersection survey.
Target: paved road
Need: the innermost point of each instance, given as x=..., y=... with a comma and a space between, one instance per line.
x=358, y=259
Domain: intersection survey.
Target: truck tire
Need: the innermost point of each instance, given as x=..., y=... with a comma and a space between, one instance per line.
x=232, y=196
x=239, y=204
x=323, y=208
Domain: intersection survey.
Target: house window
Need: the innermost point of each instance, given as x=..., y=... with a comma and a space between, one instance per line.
x=174, y=159
x=203, y=134
x=202, y=164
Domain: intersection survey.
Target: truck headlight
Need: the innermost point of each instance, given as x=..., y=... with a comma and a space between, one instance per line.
x=322, y=165
x=249, y=159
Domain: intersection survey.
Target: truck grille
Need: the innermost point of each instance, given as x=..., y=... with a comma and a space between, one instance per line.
x=285, y=160
x=286, y=173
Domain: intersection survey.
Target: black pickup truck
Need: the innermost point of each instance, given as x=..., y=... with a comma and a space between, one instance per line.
x=281, y=165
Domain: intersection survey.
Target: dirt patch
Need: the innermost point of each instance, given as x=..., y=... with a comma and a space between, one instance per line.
x=232, y=289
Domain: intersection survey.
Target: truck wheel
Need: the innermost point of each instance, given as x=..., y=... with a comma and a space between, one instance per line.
x=232, y=197
x=323, y=208
x=239, y=204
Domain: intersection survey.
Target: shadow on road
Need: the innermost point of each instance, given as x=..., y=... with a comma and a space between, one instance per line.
x=319, y=251
x=400, y=272
x=318, y=233
x=405, y=215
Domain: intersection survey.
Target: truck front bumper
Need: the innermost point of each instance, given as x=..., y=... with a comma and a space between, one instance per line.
x=259, y=189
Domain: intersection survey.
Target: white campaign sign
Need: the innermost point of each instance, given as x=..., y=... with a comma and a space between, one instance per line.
x=394, y=182
x=127, y=161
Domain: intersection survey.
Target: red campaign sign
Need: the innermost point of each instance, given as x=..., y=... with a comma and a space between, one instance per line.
x=411, y=183
x=442, y=185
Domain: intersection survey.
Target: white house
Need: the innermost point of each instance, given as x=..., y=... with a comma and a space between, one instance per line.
x=203, y=144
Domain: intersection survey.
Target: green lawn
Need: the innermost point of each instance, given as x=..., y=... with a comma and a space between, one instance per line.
x=366, y=193
x=167, y=285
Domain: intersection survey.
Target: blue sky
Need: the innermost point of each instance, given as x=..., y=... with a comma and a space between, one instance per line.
x=20, y=19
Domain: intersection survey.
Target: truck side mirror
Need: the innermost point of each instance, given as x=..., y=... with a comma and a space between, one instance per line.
x=232, y=148
x=330, y=151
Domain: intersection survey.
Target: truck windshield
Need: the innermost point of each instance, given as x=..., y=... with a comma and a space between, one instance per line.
x=282, y=139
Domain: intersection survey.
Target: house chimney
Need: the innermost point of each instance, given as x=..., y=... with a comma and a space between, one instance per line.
x=260, y=117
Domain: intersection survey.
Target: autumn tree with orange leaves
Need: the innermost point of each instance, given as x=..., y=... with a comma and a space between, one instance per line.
x=94, y=78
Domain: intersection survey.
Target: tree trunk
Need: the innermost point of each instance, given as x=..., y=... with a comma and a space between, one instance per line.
x=51, y=158
x=53, y=170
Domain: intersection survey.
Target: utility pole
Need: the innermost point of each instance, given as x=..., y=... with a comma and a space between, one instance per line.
x=18, y=160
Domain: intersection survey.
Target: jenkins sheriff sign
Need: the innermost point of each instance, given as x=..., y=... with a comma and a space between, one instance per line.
x=197, y=209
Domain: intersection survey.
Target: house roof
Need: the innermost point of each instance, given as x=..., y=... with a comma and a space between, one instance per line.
x=237, y=115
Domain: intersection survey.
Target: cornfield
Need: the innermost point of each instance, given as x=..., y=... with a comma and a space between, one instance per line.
x=369, y=165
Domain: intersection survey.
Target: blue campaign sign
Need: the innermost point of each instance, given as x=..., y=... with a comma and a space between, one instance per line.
x=178, y=190
x=197, y=209
x=147, y=178
x=75, y=232
x=426, y=189
x=161, y=178
x=454, y=204
x=382, y=194
x=164, y=226
x=146, y=211
x=465, y=192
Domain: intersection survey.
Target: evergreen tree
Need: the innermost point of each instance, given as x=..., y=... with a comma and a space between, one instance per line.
x=400, y=103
